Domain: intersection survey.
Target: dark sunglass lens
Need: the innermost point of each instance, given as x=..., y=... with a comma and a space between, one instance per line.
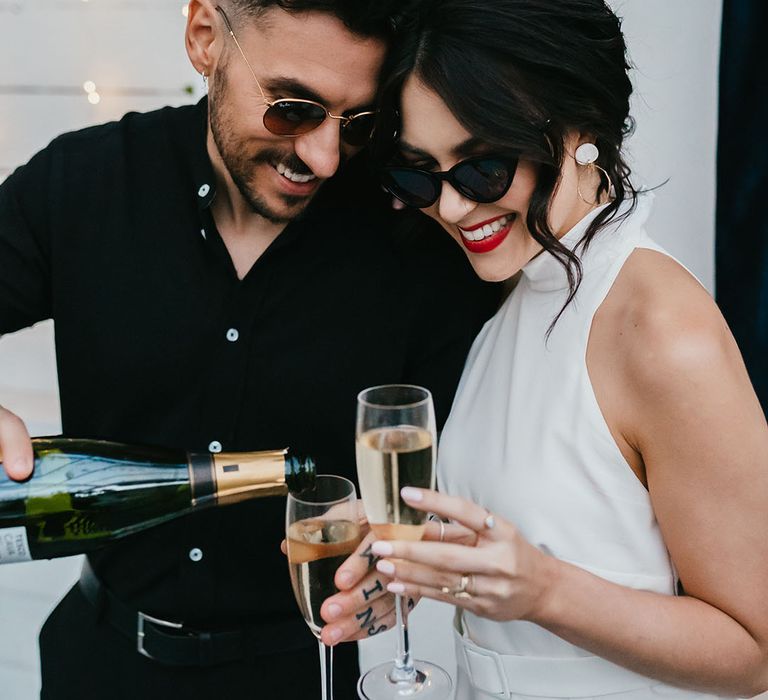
x=484, y=179
x=357, y=131
x=414, y=188
x=289, y=118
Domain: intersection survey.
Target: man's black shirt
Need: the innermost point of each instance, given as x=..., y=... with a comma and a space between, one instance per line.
x=108, y=231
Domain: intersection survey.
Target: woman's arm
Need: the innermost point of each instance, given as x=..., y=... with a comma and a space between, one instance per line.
x=685, y=404
x=679, y=394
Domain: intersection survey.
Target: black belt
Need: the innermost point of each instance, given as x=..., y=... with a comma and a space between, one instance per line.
x=174, y=644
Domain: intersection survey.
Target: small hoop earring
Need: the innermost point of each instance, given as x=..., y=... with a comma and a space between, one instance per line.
x=205, y=80
x=586, y=156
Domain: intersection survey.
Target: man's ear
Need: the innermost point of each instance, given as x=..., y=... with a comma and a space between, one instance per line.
x=200, y=36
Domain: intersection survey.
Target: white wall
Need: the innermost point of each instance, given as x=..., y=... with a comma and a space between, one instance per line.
x=675, y=46
x=138, y=44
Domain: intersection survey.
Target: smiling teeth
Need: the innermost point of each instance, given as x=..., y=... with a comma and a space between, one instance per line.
x=487, y=230
x=292, y=176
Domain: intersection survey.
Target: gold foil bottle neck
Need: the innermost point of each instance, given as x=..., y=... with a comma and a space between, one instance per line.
x=242, y=475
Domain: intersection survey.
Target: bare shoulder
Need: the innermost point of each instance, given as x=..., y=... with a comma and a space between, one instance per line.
x=665, y=325
x=661, y=353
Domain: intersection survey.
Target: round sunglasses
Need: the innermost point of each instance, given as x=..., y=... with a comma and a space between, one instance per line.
x=482, y=179
x=292, y=117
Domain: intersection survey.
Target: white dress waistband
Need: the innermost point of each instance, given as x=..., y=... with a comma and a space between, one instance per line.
x=505, y=676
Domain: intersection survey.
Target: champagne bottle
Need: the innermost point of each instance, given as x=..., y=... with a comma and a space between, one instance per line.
x=85, y=493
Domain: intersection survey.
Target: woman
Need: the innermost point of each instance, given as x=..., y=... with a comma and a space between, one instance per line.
x=604, y=464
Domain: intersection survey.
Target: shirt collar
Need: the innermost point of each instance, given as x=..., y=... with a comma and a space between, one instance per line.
x=188, y=132
x=200, y=162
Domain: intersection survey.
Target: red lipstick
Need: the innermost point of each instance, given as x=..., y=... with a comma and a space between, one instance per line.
x=489, y=243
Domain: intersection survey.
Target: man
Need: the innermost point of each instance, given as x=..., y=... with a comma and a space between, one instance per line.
x=207, y=294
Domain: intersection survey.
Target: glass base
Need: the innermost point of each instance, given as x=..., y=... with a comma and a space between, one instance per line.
x=431, y=683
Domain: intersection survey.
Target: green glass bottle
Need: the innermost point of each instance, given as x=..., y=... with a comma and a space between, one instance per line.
x=85, y=493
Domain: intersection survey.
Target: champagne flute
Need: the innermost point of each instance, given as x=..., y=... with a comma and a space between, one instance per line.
x=322, y=529
x=396, y=441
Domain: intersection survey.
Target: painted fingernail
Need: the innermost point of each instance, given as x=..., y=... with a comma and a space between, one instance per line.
x=383, y=549
x=332, y=611
x=395, y=587
x=345, y=578
x=386, y=567
x=411, y=494
x=335, y=635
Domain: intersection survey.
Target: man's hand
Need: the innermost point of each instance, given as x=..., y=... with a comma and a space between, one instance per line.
x=15, y=446
x=363, y=607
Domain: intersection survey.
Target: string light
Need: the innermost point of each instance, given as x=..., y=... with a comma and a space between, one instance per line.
x=93, y=95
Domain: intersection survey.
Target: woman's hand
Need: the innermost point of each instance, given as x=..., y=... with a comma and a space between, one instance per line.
x=490, y=569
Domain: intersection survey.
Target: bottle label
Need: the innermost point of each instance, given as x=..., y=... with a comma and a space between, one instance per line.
x=14, y=545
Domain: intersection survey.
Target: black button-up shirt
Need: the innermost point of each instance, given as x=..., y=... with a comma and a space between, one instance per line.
x=108, y=231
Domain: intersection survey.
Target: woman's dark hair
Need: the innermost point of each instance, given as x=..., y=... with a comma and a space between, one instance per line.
x=521, y=75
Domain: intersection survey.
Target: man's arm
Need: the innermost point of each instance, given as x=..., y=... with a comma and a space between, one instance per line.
x=25, y=206
x=25, y=296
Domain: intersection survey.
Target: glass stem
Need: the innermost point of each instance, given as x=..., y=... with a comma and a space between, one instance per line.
x=326, y=670
x=403, y=670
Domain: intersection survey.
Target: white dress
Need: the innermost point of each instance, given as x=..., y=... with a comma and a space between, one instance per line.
x=527, y=440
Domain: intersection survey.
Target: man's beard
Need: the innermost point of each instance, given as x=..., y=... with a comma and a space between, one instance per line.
x=240, y=166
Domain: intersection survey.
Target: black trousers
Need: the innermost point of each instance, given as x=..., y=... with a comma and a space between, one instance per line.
x=85, y=658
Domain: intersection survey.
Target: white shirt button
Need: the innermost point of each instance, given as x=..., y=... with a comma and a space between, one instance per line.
x=204, y=190
x=214, y=446
x=232, y=335
x=195, y=554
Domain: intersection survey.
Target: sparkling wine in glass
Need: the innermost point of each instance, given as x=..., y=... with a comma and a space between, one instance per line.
x=396, y=447
x=322, y=530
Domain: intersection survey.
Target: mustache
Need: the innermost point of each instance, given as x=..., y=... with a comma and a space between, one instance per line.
x=290, y=161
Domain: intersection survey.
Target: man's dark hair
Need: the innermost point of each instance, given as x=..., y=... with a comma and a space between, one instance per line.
x=368, y=18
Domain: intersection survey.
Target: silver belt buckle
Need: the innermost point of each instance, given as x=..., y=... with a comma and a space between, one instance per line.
x=141, y=619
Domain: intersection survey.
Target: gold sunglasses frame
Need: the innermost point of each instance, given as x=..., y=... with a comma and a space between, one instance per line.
x=345, y=121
